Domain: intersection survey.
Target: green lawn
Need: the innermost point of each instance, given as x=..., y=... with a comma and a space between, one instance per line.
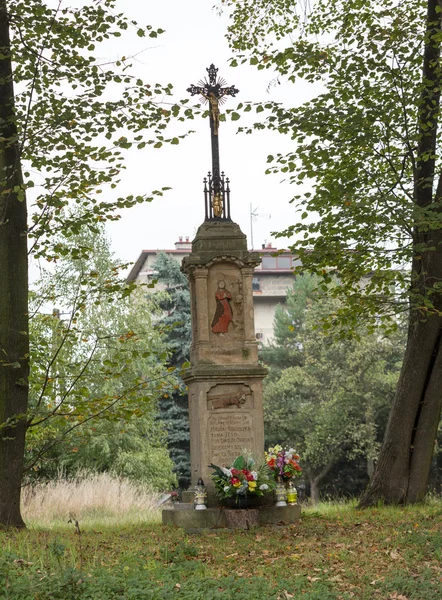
x=334, y=552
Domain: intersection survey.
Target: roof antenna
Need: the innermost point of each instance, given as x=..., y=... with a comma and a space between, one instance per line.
x=253, y=216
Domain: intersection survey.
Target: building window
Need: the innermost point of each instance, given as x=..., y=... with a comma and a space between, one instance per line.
x=276, y=262
x=259, y=335
x=284, y=262
x=256, y=284
x=269, y=262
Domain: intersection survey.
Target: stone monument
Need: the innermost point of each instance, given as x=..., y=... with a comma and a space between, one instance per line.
x=225, y=381
x=225, y=378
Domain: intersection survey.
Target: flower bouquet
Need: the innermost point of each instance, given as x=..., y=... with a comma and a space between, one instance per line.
x=283, y=463
x=243, y=480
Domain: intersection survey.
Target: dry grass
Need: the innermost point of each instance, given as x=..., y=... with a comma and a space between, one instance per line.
x=91, y=498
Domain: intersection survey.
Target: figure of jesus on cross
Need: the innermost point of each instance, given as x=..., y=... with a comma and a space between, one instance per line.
x=213, y=91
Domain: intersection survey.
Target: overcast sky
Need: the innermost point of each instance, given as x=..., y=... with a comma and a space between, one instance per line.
x=194, y=38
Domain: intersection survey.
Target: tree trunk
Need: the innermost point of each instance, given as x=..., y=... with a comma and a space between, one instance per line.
x=315, y=480
x=14, y=342
x=371, y=433
x=402, y=471
x=403, y=467
x=314, y=490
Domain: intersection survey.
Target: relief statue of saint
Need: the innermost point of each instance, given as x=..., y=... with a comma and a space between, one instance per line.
x=223, y=312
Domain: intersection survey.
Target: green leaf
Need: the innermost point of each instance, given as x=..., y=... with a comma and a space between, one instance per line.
x=239, y=463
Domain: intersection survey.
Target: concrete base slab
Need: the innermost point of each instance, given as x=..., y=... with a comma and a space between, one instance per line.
x=193, y=521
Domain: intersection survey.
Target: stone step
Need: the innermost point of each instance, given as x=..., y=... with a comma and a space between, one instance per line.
x=193, y=521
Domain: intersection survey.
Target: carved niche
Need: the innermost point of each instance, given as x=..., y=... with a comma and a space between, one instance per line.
x=232, y=396
x=226, y=302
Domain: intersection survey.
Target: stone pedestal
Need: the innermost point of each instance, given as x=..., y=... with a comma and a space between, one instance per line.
x=225, y=380
x=193, y=521
x=218, y=434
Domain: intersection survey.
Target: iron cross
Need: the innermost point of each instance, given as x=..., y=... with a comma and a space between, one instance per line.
x=213, y=91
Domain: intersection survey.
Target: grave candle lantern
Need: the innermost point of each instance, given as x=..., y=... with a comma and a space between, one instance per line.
x=292, y=493
x=200, y=495
x=281, y=493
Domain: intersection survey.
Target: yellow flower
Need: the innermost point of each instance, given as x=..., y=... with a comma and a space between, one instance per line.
x=237, y=484
x=252, y=485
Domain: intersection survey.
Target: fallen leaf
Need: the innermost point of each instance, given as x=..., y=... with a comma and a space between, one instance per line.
x=22, y=562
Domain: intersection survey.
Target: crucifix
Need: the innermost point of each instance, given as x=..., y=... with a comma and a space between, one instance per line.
x=214, y=91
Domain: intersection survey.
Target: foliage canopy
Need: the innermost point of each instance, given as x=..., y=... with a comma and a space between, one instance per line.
x=355, y=144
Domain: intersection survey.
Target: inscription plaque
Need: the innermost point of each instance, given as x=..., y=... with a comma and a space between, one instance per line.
x=229, y=435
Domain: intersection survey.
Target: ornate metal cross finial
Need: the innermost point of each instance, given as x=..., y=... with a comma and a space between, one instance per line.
x=214, y=91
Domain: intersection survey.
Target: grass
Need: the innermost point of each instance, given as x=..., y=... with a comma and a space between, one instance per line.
x=91, y=498
x=334, y=553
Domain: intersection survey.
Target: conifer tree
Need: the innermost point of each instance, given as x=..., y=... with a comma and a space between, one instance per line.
x=176, y=320
x=286, y=350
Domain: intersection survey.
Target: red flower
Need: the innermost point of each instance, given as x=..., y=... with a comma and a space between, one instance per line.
x=295, y=465
x=235, y=472
x=271, y=462
x=234, y=480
